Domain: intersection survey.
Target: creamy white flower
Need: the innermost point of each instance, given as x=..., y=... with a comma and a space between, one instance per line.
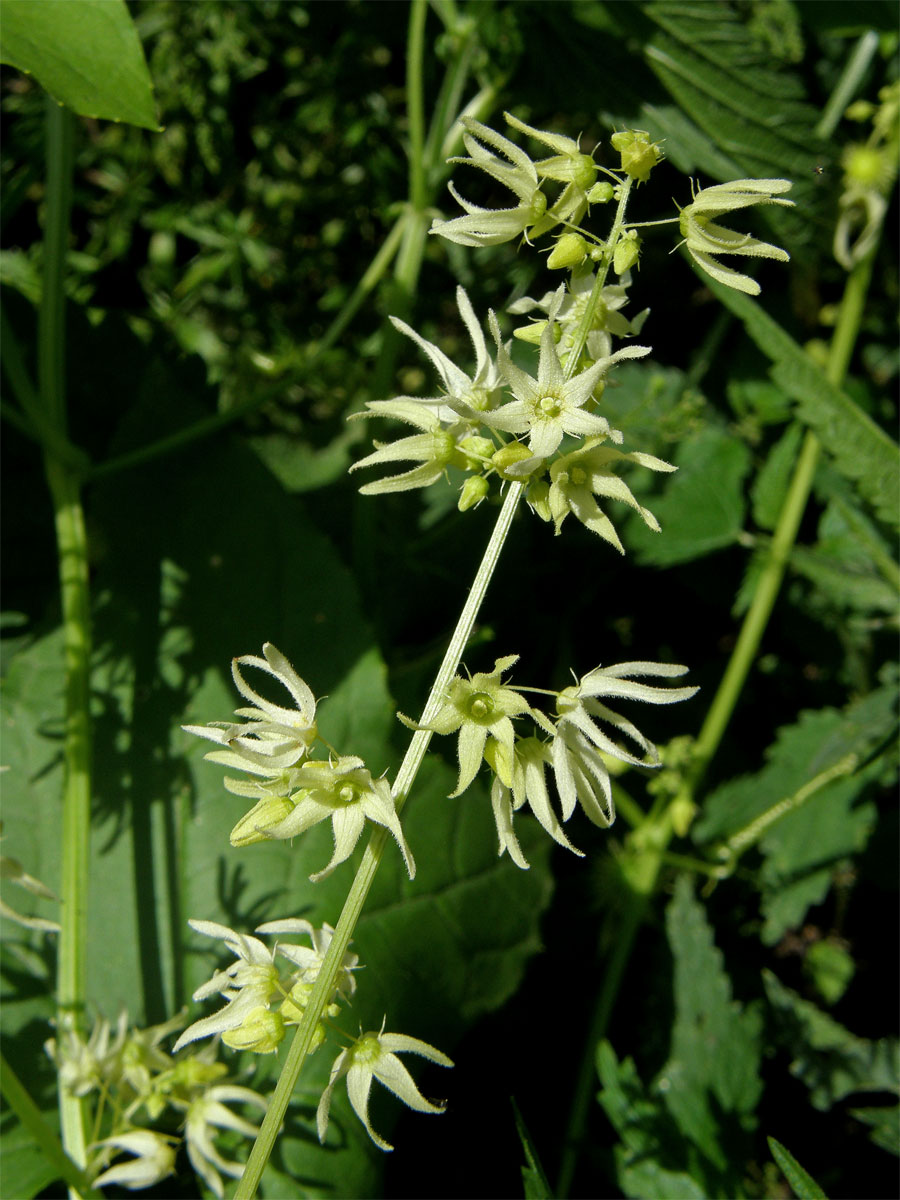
x=273, y=737
x=344, y=792
x=517, y=784
x=705, y=239
x=247, y=985
x=154, y=1159
x=591, y=471
x=550, y=406
x=374, y=1056
x=205, y=1116
x=579, y=742
x=487, y=226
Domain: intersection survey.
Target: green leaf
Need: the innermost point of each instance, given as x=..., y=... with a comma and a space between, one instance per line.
x=749, y=105
x=811, y=783
x=861, y=450
x=534, y=1178
x=771, y=483
x=884, y=1122
x=674, y=1133
x=801, y=1182
x=713, y=1067
x=701, y=508
x=831, y=1061
x=85, y=53
x=652, y=1147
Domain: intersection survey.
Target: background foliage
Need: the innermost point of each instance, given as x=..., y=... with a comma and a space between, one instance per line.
x=206, y=264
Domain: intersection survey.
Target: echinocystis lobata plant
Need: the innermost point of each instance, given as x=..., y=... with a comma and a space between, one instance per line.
x=540, y=437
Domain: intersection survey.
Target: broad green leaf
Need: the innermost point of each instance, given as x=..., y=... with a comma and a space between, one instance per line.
x=812, y=781
x=701, y=507
x=801, y=1182
x=829, y=1059
x=884, y=1123
x=673, y=1133
x=26, y=1172
x=713, y=1067
x=85, y=53
x=814, y=746
x=861, y=450
x=651, y=1146
x=752, y=107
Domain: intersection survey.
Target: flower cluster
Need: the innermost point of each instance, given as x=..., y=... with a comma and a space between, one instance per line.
x=505, y=424
x=262, y=1000
x=143, y=1085
x=575, y=749
x=294, y=792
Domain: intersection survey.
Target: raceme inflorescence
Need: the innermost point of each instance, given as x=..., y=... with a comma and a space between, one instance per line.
x=509, y=430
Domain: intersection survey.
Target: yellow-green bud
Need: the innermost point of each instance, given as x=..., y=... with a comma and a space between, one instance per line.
x=864, y=165
x=601, y=193
x=476, y=450
x=507, y=456
x=261, y=1032
x=258, y=823
x=628, y=248
x=639, y=154
x=531, y=333
x=499, y=760
x=472, y=493
x=569, y=251
x=538, y=497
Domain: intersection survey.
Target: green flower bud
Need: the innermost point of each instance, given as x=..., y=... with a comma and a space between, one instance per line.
x=628, y=248
x=261, y=1032
x=258, y=823
x=601, y=193
x=538, y=497
x=507, y=456
x=864, y=166
x=639, y=154
x=472, y=493
x=476, y=451
x=499, y=759
x=569, y=251
x=532, y=333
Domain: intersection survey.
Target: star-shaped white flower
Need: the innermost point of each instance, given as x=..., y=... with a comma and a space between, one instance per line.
x=154, y=1159
x=374, y=1056
x=273, y=737
x=550, y=406
x=344, y=792
x=706, y=240
x=205, y=1116
x=579, y=742
x=488, y=226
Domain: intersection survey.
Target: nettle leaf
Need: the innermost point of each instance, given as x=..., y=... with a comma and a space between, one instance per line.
x=701, y=507
x=801, y=848
x=713, y=1068
x=829, y=1059
x=771, y=483
x=750, y=106
x=675, y=1132
x=652, y=1146
x=861, y=450
x=85, y=53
